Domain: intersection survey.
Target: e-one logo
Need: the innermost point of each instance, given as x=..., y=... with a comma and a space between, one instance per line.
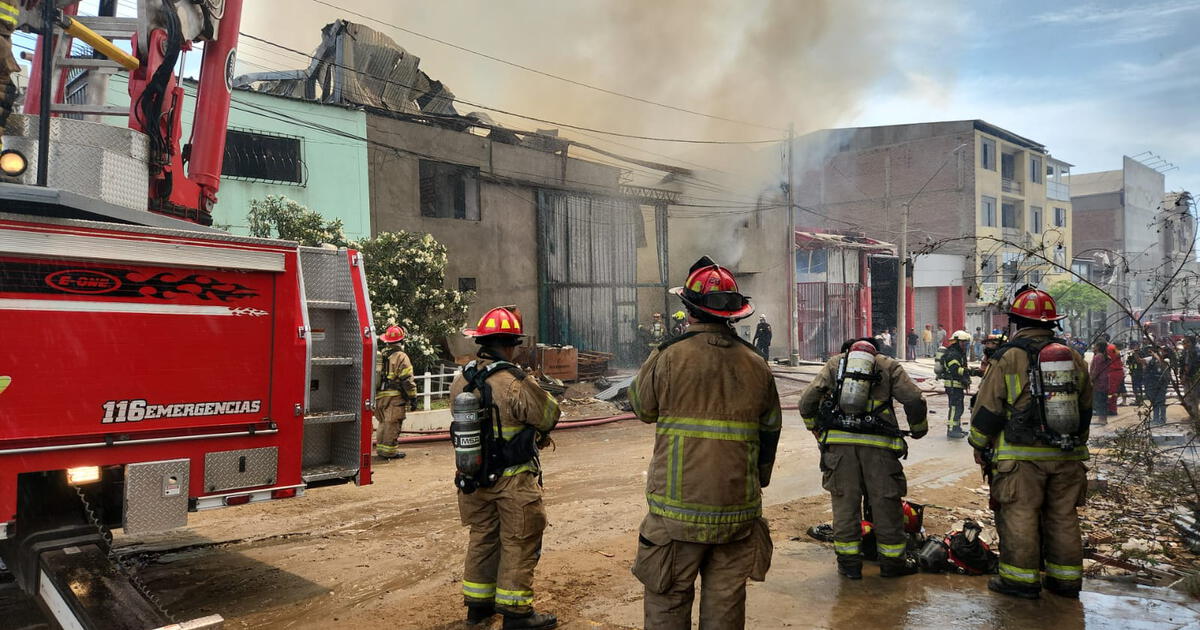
x=83, y=281
x=138, y=410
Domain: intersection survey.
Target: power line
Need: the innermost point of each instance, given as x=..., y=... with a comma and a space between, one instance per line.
x=511, y=113
x=544, y=73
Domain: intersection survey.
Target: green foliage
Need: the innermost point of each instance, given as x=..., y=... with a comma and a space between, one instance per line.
x=280, y=217
x=1075, y=298
x=406, y=274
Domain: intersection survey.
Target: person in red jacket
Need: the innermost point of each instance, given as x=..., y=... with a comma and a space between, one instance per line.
x=1104, y=385
x=1116, y=377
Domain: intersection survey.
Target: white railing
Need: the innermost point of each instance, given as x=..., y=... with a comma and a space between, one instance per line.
x=432, y=385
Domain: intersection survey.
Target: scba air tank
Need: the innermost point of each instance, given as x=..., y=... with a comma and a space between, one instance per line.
x=1060, y=388
x=466, y=433
x=857, y=378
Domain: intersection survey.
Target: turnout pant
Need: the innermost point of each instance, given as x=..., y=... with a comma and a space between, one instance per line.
x=954, y=396
x=849, y=471
x=668, y=569
x=391, y=411
x=8, y=66
x=1038, y=501
x=506, y=524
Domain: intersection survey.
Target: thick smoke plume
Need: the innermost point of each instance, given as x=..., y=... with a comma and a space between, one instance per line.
x=770, y=62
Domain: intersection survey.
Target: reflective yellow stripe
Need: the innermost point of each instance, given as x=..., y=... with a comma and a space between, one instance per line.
x=891, y=551
x=701, y=514
x=1012, y=387
x=1006, y=451
x=513, y=471
x=550, y=413
x=8, y=18
x=1064, y=572
x=478, y=590
x=809, y=423
x=675, y=469
x=709, y=429
x=846, y=548
x=834, y=436
x=514, y=598
x=8, y=8
x=1017, y=574
x=977, y=439
x=384, y=449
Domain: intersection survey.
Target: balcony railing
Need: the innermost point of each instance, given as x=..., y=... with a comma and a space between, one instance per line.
x=1011, y=186
x=1058, y=190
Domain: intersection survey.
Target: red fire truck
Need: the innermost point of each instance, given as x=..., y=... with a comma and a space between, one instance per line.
x=151, y=366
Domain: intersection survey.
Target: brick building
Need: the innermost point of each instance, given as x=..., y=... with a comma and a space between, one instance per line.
x=981, y=198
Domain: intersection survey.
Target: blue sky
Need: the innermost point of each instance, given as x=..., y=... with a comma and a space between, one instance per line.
x=1092, y=81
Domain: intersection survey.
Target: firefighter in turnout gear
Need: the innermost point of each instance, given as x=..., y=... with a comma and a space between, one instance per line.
x=957, y=381
x=1030, y=425
x=717, y=416
x=502, y=503
x=397, y=393
x=849, y=409
x=9, y=13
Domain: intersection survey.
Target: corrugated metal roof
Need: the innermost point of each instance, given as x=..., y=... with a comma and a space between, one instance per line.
x=819, y=239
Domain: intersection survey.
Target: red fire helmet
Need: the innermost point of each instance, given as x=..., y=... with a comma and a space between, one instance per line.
x=502, y=320
x=863, y=346
x=712, y=288
x=393, y=334
x=1035, y=304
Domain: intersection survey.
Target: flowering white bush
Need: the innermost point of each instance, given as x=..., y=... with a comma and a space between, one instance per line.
x=406, y=274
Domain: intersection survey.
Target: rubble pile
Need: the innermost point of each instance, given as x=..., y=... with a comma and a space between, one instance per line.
x=1130, y=528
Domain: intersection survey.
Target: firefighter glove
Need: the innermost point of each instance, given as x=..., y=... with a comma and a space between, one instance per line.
x=916, y=435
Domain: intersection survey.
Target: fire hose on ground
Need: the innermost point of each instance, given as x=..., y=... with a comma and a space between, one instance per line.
x=439, y=436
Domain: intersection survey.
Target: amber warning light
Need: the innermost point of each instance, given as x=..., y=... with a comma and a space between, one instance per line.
x=13, y=163
x=82, y=475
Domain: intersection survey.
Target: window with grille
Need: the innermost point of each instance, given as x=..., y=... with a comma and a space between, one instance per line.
x=264, y=157
x=449, y=191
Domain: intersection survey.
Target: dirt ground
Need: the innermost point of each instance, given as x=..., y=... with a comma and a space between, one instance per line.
x=389, y=555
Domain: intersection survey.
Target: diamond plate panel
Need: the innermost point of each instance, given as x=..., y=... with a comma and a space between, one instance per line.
x=317, y=439
x=243, y=468
x=93, y=159
x=156, y=496
x=327, y=278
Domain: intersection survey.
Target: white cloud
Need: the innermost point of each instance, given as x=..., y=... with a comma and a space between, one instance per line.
x=1096, y=14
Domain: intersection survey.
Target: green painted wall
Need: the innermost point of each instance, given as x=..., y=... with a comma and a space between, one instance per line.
x=337, y=184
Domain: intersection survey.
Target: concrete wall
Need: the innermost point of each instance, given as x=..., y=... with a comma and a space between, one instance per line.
x=500, y=249
x=336, y=165
x=1144, y=188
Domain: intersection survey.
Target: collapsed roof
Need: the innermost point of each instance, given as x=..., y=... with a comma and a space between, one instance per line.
x=356, y=65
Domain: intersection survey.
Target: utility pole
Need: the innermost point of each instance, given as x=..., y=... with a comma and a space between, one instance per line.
x=793, y=335
x=902, y=289
x=902, y=252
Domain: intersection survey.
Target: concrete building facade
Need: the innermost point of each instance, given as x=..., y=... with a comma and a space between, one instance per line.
x=556, y=235
x=981, y=199
x=1119, y=220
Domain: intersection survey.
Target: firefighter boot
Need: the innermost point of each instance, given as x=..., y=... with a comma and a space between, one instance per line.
x=1004, y=587
x=850, y=567
x=1069, y=590
x=955, y=432
x=530, y=621
x=897, y=567
x=479, y=614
